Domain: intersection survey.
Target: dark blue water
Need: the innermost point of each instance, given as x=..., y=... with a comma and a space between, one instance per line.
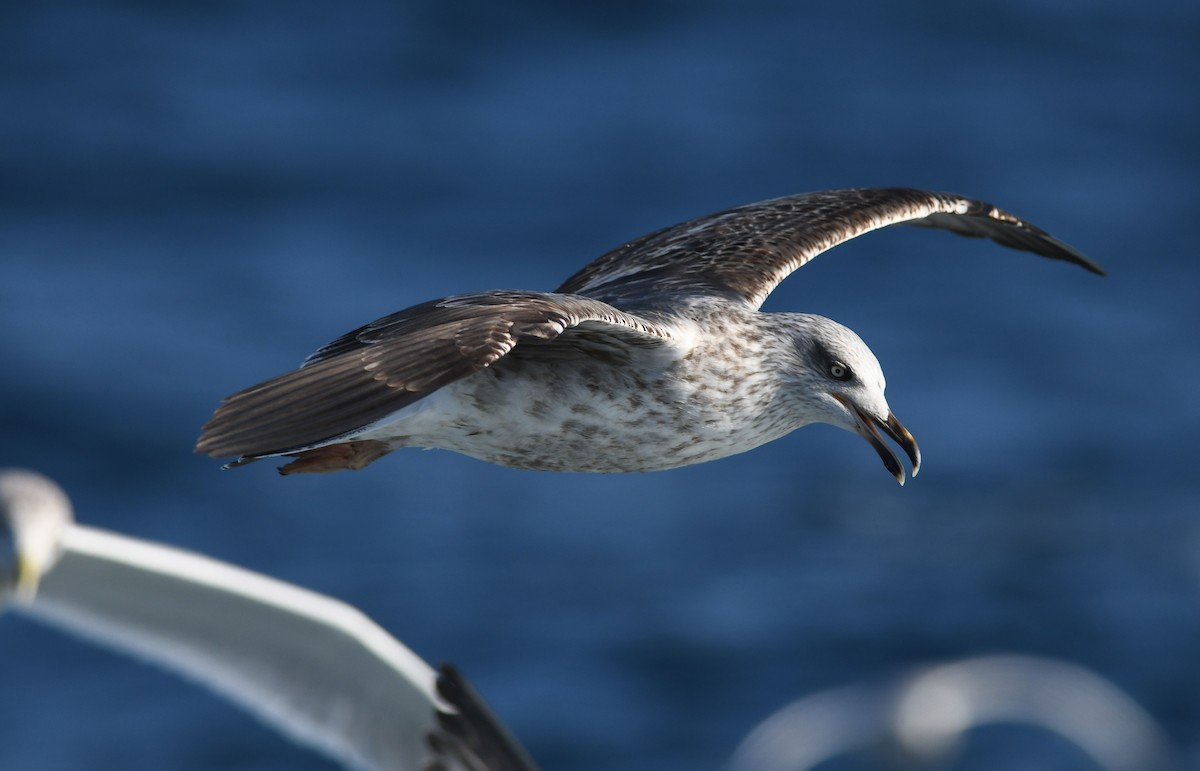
x=193, y=200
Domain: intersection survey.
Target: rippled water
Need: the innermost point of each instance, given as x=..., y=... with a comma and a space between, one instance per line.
x=191, y=201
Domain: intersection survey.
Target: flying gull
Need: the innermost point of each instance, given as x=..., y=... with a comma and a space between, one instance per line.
x=653, y=356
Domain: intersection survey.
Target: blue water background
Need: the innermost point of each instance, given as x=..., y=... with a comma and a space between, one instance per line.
x=194, y=198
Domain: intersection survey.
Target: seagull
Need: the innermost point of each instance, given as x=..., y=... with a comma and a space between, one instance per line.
x=315, y=669
x=326, y=676
x=653, y=356
x=923, y=718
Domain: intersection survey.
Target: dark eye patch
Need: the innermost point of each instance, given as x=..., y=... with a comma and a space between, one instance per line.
x=829, y=364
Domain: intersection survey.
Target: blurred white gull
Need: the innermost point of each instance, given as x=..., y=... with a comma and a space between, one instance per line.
x=310, y=666
x=923, y=719
x=328, y=677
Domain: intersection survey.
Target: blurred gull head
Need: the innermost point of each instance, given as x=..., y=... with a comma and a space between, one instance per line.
x=33, y=514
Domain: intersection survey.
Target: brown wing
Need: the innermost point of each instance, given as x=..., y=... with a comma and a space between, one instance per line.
x=391, y=363
x=748, y=250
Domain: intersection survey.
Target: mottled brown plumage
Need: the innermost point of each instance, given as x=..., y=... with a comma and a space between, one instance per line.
x=653, y=356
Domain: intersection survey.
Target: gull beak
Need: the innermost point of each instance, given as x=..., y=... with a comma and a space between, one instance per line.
x=27, y=579
x=19, y=574
x=869, y=426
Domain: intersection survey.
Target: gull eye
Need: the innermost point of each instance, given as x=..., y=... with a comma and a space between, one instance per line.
x=839, y=371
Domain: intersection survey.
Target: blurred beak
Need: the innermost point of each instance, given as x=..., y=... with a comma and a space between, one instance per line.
x=869, y=426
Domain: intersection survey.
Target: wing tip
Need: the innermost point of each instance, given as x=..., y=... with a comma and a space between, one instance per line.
x=471, y=730
x=1087, y=264
x=1068, y=253
x=1003, y=228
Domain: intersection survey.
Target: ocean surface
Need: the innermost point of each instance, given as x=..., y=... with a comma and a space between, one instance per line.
x=194, y=198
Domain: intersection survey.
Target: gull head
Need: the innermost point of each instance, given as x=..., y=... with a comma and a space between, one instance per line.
x=34, y=514
x=834, y=378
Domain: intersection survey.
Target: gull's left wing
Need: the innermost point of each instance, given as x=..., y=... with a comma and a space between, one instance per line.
x=748, y=250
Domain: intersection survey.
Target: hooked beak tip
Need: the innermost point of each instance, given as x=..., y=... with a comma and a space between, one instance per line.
x=869, y=427
x=901, y=436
